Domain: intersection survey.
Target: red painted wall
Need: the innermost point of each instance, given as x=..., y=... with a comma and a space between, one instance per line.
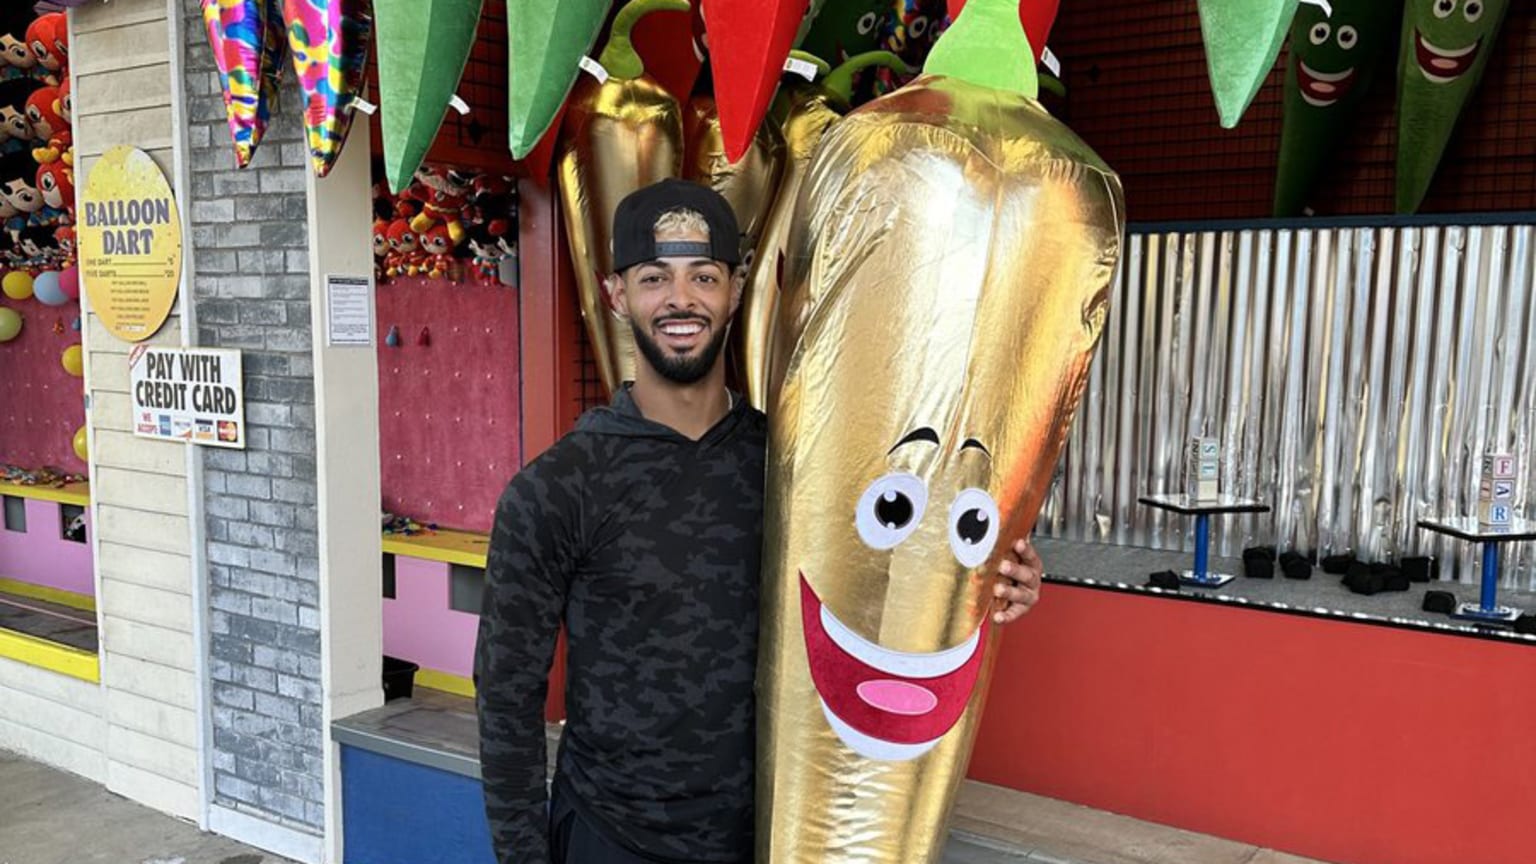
x=1344, y=742
x=41, y=406
x=450, y=413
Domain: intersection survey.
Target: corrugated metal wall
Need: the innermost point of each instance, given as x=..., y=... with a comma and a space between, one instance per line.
x=1354, y=376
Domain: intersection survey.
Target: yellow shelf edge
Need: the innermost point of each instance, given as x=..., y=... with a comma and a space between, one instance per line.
x=52, y=656
x=411, y=547
x=57, y=596
x=445, y=682
x=67, y=495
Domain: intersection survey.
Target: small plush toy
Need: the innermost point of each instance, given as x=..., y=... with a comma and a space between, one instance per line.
x=39, y=250
x=48, y=39
x=491, y=198
x=437, y=251
x=17, y=174
x=380, y=248
x=48, y=127
x=487, y=255
x=12, y=221
x=16, y=56
x=15, y=129
x=56, y=180
x=443, y=195
x=64, y=237
x=404, y=250
x=66, y=104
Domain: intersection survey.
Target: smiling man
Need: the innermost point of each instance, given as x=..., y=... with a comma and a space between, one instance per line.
x=641, y=531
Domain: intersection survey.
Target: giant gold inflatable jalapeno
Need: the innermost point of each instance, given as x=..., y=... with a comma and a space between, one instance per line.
x=620, y=134
x=947, y=280
x=809, y=110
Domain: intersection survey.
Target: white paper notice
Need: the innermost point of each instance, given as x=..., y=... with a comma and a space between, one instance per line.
x=349, y=310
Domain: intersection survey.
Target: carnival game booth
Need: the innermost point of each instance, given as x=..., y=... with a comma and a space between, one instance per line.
x=47, y=593
x=1320, y=309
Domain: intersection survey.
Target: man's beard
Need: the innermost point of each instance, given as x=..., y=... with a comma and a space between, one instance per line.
x=679, y=369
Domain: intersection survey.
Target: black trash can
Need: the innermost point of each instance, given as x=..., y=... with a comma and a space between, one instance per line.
x=399, y=678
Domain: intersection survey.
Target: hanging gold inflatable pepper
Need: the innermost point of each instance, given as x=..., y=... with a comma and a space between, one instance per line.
x=804, y=111
x=748, y=183
x=619, y=134
x=948, y=278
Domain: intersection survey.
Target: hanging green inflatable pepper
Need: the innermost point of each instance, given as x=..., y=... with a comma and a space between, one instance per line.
x=1242, y=40
x=1445, y=48
x=422, y=48
x=1333, y=62
x=844, y=28
x=546, y=41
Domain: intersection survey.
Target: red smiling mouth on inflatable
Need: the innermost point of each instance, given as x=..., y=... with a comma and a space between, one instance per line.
x=885, y=704
x=1444, y=65
x=1322, y=89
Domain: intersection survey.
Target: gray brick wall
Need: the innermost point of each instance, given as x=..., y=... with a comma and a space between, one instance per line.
x=251, y=289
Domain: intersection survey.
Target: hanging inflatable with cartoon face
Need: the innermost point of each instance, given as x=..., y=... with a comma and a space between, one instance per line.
x=1333, y=60
x=845, y=28
x=946, y=281
x=1445, y=47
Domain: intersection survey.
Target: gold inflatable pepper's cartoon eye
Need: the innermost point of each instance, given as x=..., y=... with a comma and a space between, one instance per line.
x=973, y=526
x=890, y=510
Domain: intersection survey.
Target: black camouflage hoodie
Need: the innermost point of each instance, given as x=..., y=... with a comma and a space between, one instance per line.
x=646, y=544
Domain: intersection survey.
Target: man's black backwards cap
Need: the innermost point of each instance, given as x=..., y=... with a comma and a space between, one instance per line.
x=634, y=225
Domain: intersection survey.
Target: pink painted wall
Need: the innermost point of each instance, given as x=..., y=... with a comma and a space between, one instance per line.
x=41, y=405
x=449, y=426
x=42, y=556
x=419, y=626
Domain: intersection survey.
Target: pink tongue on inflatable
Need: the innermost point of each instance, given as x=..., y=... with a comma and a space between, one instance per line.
x=898, y=697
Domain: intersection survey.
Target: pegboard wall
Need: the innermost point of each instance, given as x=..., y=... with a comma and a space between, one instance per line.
x=450, y=411
x=41, y=405
x=1138, y=93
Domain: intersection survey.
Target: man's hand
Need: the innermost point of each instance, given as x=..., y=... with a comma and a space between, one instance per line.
x=1018, y=582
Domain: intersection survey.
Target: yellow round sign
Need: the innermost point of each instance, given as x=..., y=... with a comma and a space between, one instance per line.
x=129, y=235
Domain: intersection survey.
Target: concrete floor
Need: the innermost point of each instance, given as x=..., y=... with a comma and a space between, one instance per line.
x=52, y=817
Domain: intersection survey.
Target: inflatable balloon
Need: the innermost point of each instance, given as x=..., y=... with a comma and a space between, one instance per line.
x=621, y=134
x=748, y=182
x=247, y=39
x=73, y=361
x=69, y=282
x=547, y=41
x=47, y=291
x=1242, y=40
x=947, y=281
x=10, y=324
x=423, y=47
x=809, y=110
x=1444, y=51
x=844, y=28
x=756, y=36
x=329, y=39
x=17, y=285
x=1333, y=61
x=809, y=21
x=1037, y=16
x=80, y=443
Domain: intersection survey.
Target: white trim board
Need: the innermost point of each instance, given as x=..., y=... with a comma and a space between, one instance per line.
x=265, y=835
